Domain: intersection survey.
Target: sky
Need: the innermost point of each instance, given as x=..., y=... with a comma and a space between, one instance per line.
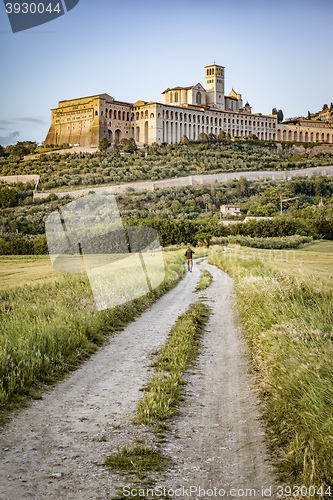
x=276, y=53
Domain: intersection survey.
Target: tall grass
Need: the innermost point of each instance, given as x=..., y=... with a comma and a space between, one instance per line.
x=162, y=394
x=47, y=330
x=282, y=242
x=288, y=323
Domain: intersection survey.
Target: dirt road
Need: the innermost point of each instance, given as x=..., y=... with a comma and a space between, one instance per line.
x=50, y=450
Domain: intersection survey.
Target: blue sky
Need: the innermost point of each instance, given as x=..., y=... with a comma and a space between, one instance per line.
x=275, y=53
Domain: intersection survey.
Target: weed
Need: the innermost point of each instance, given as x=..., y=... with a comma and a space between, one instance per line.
x=180, y=350
x=205, y=280
x=138, y=460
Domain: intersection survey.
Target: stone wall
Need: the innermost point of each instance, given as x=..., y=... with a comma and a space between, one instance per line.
x=195, y=180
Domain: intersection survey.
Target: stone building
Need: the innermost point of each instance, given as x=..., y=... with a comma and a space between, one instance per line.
x=183, y=111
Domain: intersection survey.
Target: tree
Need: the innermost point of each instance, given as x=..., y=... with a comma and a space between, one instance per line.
x=280, y=116
x=185, y=140
x=274, y=111
x=309, y=116
x=203, y=137
x=104, y=144
x=128, y=145
x=325, y=107
x=221, y=136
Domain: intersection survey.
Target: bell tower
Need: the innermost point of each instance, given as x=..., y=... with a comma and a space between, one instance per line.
x=214, y=78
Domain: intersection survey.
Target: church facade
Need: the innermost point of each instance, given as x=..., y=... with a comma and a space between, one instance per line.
x=183, y=111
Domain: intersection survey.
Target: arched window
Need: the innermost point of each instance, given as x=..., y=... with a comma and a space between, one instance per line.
x=119, y=115
x=124, y=115
x=198, y=98
x=115, y=114
x=96, y=113
x=151, y=115
x=128, y=116
x=106, y=112
x=176, y=96
x=146, y=113
x=137, y=115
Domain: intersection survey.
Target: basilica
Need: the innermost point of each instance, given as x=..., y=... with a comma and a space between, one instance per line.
x=183, y=111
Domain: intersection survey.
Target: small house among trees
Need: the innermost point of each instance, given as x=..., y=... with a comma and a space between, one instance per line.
x=231, y=210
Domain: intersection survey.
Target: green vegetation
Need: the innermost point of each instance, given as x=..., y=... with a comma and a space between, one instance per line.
x=48, y=329
x=163, y=392
x=179, y=214
x=155, y=162
x=287, y=319
x=138, y=460
x=205, y=280
x=295, y=241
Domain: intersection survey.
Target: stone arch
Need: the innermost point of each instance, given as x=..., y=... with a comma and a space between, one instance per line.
x=137, y=134
x=295, y=135
x=117, y=134
x=151, y=115
x=110, y=136
x=290, y=135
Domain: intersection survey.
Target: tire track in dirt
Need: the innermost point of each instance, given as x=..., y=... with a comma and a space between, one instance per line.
x=50, y=449
x=218, y=441
x=53, y=446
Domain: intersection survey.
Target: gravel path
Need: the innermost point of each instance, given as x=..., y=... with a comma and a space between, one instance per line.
x=50, y=449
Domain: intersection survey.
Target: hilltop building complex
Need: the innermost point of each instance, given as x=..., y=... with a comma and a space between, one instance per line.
x=183, y=111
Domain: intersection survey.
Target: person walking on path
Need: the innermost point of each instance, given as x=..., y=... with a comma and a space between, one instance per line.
x=188, y=254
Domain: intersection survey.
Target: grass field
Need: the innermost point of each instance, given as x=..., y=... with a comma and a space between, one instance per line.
x=314, y=260
x=49, y=323
x=17, y=270
x=285, y=301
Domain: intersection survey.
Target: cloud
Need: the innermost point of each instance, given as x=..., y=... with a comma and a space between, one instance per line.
x=32, y=120
x=4, y=124
x=9, y=139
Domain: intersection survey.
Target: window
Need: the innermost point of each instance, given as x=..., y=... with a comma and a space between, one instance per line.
x=198, y=98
